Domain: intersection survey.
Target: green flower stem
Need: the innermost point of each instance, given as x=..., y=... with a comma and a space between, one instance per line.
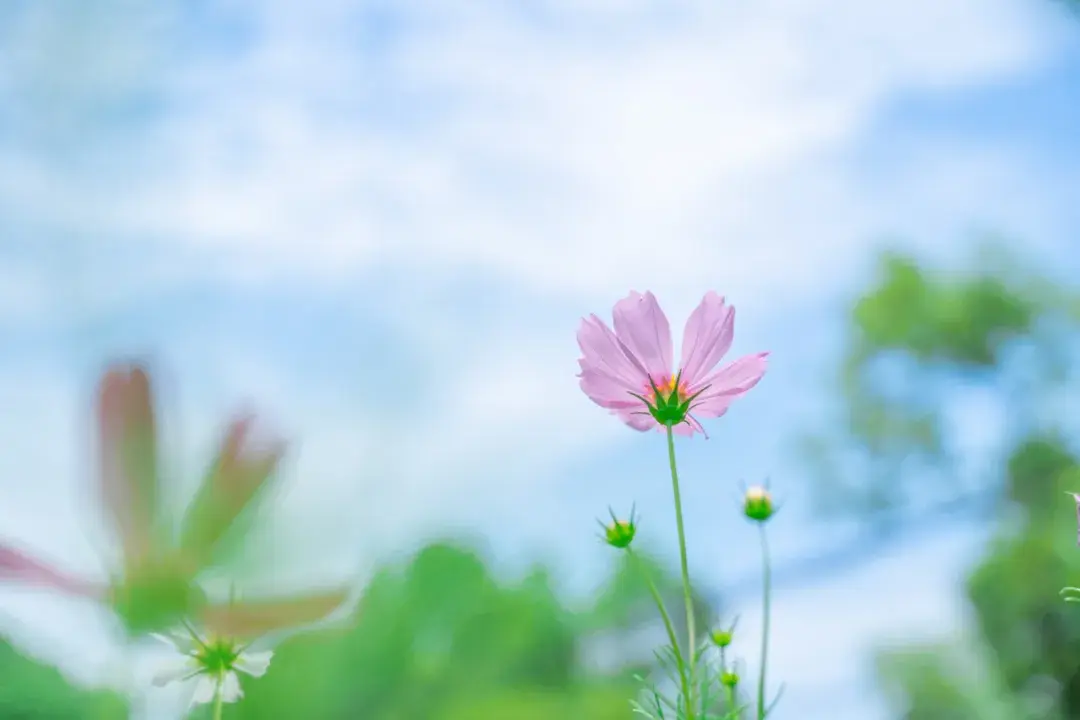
x=732, y=707
x=687, y=592
x=684, y=679
x=219, y=699
x=766, y=600
x=729, y=692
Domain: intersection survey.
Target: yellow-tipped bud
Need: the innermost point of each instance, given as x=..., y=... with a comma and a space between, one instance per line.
x=758, y=504
x=620, y=533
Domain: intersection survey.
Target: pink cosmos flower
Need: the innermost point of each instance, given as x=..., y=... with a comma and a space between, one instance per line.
x=630, y=371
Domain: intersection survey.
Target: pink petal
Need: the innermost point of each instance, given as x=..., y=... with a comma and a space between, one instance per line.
x=16, y=565
x=709, y=332
x=605, y=391
x=609, y=372
x=728, y=383
x=244, y=464
x=713, y=407
x=639, y=420
x=642, y=326
x=128, y=457
x=684, y=429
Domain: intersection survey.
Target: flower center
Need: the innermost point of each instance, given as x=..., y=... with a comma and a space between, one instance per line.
x=668, y=399
x=670, y=389
x=217, y=656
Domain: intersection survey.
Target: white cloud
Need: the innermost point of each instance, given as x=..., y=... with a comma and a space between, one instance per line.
x=574, y=160
x=568, y=161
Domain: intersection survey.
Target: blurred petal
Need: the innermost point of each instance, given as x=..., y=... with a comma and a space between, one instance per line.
x=254, y=664
x=18, y=566
x=181, y=643
x=205, y=689
x=175, y=669
x=642, y=326
x=250, y=619
x=230, y=688
x=243, y=465
x=709, y=332
x=165, y=640
x=128, y=457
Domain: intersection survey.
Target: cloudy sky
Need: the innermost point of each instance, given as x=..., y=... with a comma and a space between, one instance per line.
x=380, y=222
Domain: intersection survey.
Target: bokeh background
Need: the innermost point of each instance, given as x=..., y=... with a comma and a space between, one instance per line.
x=379, y=223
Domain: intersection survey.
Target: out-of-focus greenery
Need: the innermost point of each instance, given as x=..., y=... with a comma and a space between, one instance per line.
x=445, y=640
x=914, y=338
x=1022, y=660
x=440, y=638
x=32, y=691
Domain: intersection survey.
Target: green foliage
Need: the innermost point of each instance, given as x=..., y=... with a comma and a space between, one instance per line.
x=440, y=638
x=32, y=691
x=1034, y=470
x=909, y=336
x=624, y=603
x=1024, y=662
x=443, y=639
x=937, y=682
x=1029, y=637
x=899, y=314
x=965, y=321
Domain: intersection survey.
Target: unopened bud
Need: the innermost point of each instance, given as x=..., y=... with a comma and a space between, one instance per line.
x=757, y=504
x=729, y=679
x=722, y=638
x=620, y=533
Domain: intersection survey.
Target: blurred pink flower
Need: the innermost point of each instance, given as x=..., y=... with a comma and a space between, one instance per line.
x=16, y=565
x=630, y=371
x=156, y=585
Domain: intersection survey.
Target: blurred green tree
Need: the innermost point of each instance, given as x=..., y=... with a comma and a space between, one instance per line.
x=911, y=339
x=1024, y=661
x=914, y=337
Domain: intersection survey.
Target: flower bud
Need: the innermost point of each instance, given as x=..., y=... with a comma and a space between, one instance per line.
x=620, y=533
x=757, y=504
x=722, y=638
x=729, y=678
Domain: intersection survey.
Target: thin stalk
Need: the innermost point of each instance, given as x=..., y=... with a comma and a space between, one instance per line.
x=687, y=592
x=732, y=707
x=219, y=699
x=766, y=601
x=684, y=679
x=729, y=692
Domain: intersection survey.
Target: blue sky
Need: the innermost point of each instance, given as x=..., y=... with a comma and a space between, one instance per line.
x=312, y=208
